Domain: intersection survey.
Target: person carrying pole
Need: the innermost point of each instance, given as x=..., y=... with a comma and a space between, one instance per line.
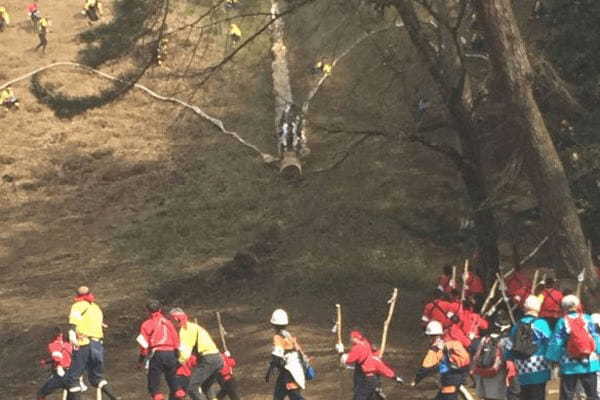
x=446, y=356
x=60, y=359
x=195, y=340
x=226, y=379
x=286, y=359
x=44, y=28
x=86, y=335
x=159, y=342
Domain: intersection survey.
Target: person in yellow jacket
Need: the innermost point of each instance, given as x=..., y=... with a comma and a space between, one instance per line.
x=194, y=339
x=8, y=98
x=235, y=33
x=446, y=356
x=43, y=26
x=4, y=19
x=87, y=331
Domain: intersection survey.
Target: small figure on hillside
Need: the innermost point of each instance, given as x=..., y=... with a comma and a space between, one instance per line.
x=8, y=98
x=33, y=11
x=446, y=356
x=551, y=309
x=161, y=51
x=368, y=368
x=43, y=29
x=60, y=360
x=4, y=19
x=322, y=68
x=86, y=335
x=159, y=343
x=196, y=340
x=235, y=34
x=231, y=4
x=92, y=10
x=287, y=358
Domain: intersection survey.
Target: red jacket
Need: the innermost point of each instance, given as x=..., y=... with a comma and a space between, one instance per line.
x=471, y=323
x=474, y=284
x=454, y=332
x=441, y=311
x=551, y=305
x=363, y=355
x=517, y=284
x=229, y=364
x=186, y=369
x=444, y=283
x=157, y=333
x=60, y=352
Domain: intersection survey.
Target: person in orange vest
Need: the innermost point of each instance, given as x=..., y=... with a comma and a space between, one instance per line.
x=551, y=310
x=446, y=356
x=60, y=352
x=286, y=359
x=368, y=367
x=159, y=343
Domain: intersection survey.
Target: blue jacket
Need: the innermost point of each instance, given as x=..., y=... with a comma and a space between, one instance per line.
x=557, y=350
x=535, y=369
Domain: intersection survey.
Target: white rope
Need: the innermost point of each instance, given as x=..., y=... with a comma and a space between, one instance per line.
x=216, y=122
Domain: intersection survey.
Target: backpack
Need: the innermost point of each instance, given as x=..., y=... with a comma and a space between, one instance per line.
x=581, y=344
x=488, y=359
x=524, y=345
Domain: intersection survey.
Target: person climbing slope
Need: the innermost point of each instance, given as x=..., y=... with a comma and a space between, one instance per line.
x=195, y=340
x=60, y=359
x=43, y=29
x=4, y=19
x=229, y=387
x=286, y=359
x=368, y=367
x=551, y=309
x=159, y=343
x=446, y=356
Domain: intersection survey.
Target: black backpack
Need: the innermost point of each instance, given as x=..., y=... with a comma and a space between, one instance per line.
x=488, y=354
x=524, y=344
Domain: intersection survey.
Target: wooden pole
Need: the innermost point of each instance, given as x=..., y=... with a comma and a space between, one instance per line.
x=98, y=393
x=505, y=297
x=65, y=394
x=386, y=324
x=465, y=278
x=534, y=284
x=222, y=332
x=338, y=323
x=491, y=295
x=452, y=283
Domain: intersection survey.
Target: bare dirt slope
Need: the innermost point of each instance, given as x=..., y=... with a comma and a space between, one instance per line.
x=140, y=198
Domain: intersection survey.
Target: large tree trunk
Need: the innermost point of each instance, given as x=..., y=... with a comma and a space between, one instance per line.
x=452, y=80
x=545, y=170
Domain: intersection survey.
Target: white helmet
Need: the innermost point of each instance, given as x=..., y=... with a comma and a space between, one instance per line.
x=279, y=317
x=434, y=328
x=532, y=303
x=569, y=302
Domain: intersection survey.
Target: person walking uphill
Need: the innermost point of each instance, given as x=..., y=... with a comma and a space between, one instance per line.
x=367, y=367
x=159, y=343
x=60, y=358
x=551, y=309
x=286, y=359
x=575, y=344
x=449, y=357
x=86, y=334
x=196, y=340
x=43, y=29
x=529, y=340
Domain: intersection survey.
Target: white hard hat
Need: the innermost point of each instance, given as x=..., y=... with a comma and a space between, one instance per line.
x=532, y=303
x=279, y=317
x=434, y=328
x=569, y=302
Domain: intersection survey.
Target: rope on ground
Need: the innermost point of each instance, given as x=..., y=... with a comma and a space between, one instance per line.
x=267, y=158
x=347, y=51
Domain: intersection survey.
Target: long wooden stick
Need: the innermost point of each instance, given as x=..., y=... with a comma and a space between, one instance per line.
x=338, y=323
x=534, y=284
x=386, y=324
x=222, y=332
x=98, y=393
x=493, y=308
x=452, y=282
x=65, y=394
x=505, y=297
x=465, y=278
x=491, y=295
x=535, y=250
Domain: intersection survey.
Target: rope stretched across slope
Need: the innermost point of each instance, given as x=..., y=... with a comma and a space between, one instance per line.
x=197, y=110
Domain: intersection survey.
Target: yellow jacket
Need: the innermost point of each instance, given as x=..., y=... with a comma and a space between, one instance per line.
x=194, y=336
x=44, y=22
x=87, y=319
x=6, y=94
x=235, y=30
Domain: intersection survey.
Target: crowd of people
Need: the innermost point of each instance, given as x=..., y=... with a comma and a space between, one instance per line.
x=514, y=348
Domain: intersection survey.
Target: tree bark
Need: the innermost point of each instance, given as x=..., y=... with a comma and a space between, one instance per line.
x=545, y=170
x=452, y=80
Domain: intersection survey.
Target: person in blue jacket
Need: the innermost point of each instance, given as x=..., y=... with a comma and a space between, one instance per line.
x=533, y=370
x=580, y=369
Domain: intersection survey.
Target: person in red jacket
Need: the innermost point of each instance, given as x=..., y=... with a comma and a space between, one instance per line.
x=471, y=324
x=518, y=284
x=441, y=309
x=226, y=379
x=368, y=367
x=475, y=287
x=60, y=358
x=551, y=310
x=445, y=283
x=159, y=341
